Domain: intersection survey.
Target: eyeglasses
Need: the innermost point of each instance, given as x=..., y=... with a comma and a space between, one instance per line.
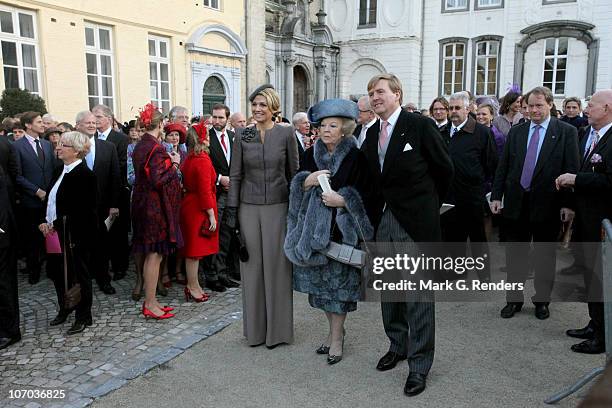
x=455, y=108
x=60, y=144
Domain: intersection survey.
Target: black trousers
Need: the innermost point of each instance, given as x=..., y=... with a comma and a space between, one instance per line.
x=594, y=286
x=218, y=265
x=520, y=234
x=118, y=236
x=9, y=298
x=34, y=240
x=100, y=255
x=461, y=223
x=79, y=260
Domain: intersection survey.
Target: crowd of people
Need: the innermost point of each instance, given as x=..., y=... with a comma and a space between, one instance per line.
x=262, y=203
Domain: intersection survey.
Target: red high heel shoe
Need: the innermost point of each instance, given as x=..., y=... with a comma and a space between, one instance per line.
x=167, y=308
x=189, y=296
x=147, y=313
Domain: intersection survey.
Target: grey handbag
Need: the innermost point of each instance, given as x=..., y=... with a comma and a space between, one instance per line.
x=348, y=254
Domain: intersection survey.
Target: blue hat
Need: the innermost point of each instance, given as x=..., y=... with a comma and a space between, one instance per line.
x=328, y=108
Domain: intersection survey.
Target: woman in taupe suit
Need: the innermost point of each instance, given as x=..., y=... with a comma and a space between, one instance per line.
x=264, y=160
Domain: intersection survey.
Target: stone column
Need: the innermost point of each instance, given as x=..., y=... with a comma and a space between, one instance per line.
x=288, y=109
x=320, y=65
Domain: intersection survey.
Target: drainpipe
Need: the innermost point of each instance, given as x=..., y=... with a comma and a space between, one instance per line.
x=422, y=50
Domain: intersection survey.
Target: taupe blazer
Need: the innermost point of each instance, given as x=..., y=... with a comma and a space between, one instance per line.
x=260, y=173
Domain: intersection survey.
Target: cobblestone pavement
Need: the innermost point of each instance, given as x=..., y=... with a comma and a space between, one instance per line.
x=120, y=346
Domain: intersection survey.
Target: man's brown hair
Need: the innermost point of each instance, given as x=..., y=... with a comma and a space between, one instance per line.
x=394, y=84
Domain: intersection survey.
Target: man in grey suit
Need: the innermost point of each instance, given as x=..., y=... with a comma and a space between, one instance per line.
x=411, y=169
x=35, y=160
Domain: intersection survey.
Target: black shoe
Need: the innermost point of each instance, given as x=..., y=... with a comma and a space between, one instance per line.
x=415, y=384
x=389, y=361
x=7, y=341
x=333, y=359
x=107, y=289
x=119, y=275
x=541, y=311
x=594, y=346
x=510, y=309
x=586, y=333
x=215, y=286
x=33, y=278
x=323, y=349
x=228, y=283
x=61, y=317
x=79, y=326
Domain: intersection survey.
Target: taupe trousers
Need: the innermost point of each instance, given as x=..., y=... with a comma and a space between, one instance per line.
x=267, y=278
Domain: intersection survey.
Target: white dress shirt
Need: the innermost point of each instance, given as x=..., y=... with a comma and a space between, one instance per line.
x=32, y=140
x=104, y=135
x=364, y=131
x=228, y=151
x=458, y=128
x=51, y=203
x=91, y=156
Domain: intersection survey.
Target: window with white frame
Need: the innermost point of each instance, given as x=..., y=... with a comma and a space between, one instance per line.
x=159, y=72
x=367, y=12
x=19, y=40
x=454, y=5
x=212, y=4
x=99, y=59
x=487, y=53
x=481, y=4
x=453, y=57
x=555, y=65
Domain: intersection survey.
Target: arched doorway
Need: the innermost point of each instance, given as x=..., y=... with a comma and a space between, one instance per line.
x=212, y=93
x=300, y=91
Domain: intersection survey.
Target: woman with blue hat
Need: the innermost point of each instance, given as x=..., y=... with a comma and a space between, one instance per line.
x=317, y=218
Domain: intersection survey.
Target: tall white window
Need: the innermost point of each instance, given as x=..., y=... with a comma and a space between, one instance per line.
x=367, y=12
x=555, y=65
x=159, y=72
x=455, y=5
x=453, y=58
x=99, y=58
x=212, y=4
x=19, y=49
x=489, y=3
x=486, y=67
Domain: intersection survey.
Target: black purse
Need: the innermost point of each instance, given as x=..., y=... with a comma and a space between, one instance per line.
x=243, y=254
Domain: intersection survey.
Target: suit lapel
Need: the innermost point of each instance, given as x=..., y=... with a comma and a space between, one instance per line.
x=599, y=146
x=372, y=144
x=98, y=151
x=396, y=142
x=582, y=143
x=550, y=140
x=30, y=151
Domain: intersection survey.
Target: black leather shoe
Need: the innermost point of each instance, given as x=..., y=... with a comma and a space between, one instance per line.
x=119, y=275
x=228, y=283
x=108, y=289
x=389, y=361
x=510, y=309
x=586, y=333
x=7, y=341
x=594, y=346
x=541, y=311
x=323, y=349
x=215, y=286
x=61, y=317
x=415, y=384
x=79, y=326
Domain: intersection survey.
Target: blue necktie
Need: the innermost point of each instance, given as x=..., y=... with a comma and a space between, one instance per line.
x=530, y=159
x=89, y=160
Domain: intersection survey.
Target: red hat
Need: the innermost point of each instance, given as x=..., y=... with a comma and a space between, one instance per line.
x=201, y=129
x=176, y=127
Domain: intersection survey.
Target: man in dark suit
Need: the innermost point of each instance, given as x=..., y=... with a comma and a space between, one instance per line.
x=593, y=190
x=301, y=127
x=102, y=159
x=35, y=160
x=366, y=119
x=410, y=169
x=119, y=249
x=9, y=165
x=9, y=298
x=535, y=154
x=221, y=142
x=472, y=149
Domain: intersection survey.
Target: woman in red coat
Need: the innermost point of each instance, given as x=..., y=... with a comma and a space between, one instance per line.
x=198, y=209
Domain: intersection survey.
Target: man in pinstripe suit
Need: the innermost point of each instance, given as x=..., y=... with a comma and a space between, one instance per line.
x=411, y=169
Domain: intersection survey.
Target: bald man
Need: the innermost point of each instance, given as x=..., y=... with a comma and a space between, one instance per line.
x=237, y=121
x=593, y=190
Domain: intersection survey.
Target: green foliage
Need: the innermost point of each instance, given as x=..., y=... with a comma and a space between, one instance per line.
x=15, y=101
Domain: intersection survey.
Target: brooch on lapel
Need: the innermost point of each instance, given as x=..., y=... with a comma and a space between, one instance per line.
x=248, y=134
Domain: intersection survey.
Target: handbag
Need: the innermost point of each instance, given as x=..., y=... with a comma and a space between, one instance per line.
x=243, y=254
x=345, y=253
x=52, y=244
x=72, y=296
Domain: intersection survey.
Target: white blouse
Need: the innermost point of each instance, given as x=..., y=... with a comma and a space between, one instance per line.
x=51, y=202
